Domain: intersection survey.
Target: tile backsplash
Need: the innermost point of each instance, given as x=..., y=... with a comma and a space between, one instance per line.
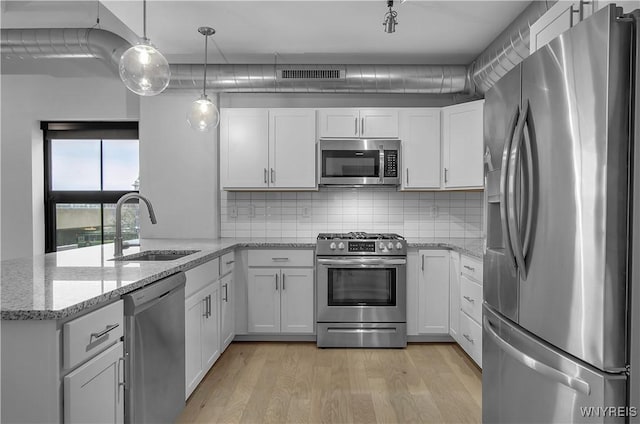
x=305, y=214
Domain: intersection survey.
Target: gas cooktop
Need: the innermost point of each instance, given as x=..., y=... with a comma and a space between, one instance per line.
x=360, y=243
x=359, y=236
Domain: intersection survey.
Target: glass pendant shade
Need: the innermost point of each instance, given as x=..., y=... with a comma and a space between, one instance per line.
x=203, y=114
x=144, y=70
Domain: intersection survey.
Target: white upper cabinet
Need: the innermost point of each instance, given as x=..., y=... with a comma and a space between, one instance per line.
x=292, y=148
x=267, y=149
x=419, y=130
x=462, y=144
x=357, y=123
x=244, y=138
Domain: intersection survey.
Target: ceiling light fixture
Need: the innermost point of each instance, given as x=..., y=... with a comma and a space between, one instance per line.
x=143, y=69
x=203, y=114
x=390, y=20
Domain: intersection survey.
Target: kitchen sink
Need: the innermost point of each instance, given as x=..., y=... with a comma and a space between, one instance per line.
x=155, y=256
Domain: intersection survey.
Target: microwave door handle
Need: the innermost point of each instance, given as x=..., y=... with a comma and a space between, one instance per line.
x=381, y=170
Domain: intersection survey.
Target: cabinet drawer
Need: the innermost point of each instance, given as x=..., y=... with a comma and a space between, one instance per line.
x=471, y=298
x=280, y=258
x=226, y=263
x=200, y=276
x=92, y=333
x=471, y=337
x=471, y=267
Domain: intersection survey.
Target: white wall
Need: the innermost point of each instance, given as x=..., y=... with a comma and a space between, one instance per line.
x=27, y=100
x=178, y=169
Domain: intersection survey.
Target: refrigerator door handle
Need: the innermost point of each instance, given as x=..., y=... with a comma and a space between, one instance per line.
x=528, y=154
x=512, y=210
x=574, y=383
x=504, y=172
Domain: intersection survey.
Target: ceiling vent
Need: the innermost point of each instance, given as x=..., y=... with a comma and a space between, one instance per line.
x=296, y=74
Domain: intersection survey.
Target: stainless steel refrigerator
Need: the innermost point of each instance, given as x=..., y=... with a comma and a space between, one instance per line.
x=558, y=333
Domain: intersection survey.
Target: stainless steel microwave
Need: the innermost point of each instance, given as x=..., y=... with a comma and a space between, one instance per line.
x=359, y=162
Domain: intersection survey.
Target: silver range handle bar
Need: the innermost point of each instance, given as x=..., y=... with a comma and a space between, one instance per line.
x=363, y=261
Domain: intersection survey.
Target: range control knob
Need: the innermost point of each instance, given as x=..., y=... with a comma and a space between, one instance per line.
x=382, y=246
x=390, y=246
x=341, y=246
x=398, y=245
x=332, y=246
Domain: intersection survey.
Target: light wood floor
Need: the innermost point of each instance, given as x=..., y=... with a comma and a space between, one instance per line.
x=299, y=383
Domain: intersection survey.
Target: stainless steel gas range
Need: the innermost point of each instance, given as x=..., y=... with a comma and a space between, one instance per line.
x=361, y=290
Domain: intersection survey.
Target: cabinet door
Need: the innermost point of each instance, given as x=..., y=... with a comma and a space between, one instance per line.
x=340, y=123
x=244, y=148
x=462, y=136
x=195, y=308
x=433, y=292
x=454, y=295
x=292, y=148
x=378, y=123
x=554, y=22
x=297, y=300
x=419, y=130
x=93, y=393
x=227, y=321
x=263, y=287
x=211, y=327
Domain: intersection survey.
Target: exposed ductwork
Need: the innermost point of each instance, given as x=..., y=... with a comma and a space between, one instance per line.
x=507, y=50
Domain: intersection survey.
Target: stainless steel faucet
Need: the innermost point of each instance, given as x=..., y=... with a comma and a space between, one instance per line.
x=118, y=243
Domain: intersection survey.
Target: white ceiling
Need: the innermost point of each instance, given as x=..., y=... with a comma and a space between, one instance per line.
x=311, y=31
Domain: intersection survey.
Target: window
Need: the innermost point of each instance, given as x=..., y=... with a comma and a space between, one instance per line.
x=88, y=167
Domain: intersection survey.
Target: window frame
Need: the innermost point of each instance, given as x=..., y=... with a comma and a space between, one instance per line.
x=125, y=130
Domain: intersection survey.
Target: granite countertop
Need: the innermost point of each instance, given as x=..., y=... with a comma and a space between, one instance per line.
x=62, y=284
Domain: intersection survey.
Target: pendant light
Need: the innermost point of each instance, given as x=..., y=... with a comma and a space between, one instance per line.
x=143, y=69
x=203, y=114
x=390, y=20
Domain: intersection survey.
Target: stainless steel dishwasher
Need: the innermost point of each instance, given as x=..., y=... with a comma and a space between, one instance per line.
x=154, y=351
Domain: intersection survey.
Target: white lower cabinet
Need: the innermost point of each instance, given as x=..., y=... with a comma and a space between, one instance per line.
x=202, y=334
x=433, y=292
x=454, y=295
x=470, y=303
x=280, y=300
x=95, y=392
x=227, y=312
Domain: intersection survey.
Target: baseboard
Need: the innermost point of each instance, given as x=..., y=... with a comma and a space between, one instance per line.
x=430, y=338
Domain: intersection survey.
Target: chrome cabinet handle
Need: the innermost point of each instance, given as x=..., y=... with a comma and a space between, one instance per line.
x=226, y=292
x=362, y=125
x=423, y=262
x=103, y=332
x=356, y=131
x=280, y=259
x=446, y=175
x=265, y=176
x=466, y=336
x=206, y=307
x=121, y=372
x=468, y=299
x=561, y=377
x=273, y=176
x=504, y=187
x=470, y=268
x=407, y=176
x=276, y=282
x=283, y=281
x=229, y=262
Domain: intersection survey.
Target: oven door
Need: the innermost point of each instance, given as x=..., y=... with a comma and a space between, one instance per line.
x=354, y=289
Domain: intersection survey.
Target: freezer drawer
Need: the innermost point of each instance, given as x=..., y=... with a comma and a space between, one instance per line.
x=527, y=381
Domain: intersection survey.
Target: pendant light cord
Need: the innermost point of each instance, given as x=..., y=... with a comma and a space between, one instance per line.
x=204, y=83
x=144, y=19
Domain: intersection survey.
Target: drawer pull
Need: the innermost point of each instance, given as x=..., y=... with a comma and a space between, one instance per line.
x=229, y=262
x=466, y=336
x=122, y=383
x=279, y=259
x=470, y=268
x=468, y=299
x=103, y=332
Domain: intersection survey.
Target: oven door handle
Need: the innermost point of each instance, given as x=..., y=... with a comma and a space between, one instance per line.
x=363, y=261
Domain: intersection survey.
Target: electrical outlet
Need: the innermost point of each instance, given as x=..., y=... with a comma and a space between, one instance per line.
x=306, y=212
x=232, y=212
x=433, y=212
